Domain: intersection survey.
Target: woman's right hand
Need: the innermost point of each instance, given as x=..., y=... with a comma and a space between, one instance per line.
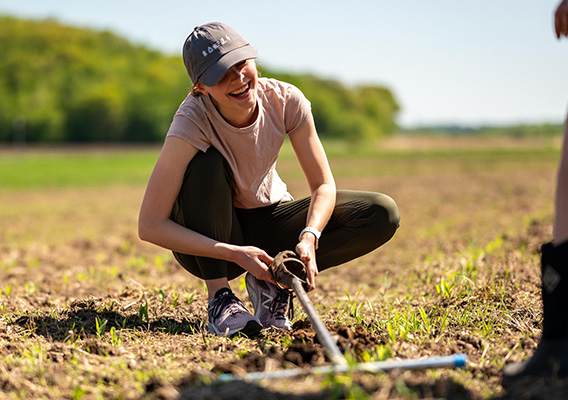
x=254, y=260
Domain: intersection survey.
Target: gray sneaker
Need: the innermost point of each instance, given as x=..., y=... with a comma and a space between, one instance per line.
x=272, y=305
x=228, y=315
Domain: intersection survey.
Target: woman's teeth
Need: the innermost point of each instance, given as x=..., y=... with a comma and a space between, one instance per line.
x=239, y=91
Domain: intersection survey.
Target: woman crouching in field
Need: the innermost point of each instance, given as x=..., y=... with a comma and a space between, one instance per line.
x=215, y=199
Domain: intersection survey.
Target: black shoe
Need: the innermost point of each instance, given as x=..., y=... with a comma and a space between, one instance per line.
x=551, y=356
x=550, y=359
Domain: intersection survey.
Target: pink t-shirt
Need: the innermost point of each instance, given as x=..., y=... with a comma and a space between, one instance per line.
x=251, y=151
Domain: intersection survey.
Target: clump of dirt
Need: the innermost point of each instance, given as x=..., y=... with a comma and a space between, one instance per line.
x=304, y=350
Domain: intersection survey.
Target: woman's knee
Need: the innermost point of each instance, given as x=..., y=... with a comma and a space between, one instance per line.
x=386, y=215
x=391, y=209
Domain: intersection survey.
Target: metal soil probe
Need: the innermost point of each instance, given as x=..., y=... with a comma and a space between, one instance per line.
x=290, y=272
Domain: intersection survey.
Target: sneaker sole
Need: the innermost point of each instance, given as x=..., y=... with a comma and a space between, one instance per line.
x=250, y=329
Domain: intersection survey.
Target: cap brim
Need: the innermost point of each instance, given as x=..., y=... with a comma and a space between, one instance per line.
x=215, y=72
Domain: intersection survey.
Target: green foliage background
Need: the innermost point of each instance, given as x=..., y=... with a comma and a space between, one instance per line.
x=66, y=84
x=60, y=83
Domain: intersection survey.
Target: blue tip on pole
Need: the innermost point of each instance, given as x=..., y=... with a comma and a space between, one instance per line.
x=460, y=360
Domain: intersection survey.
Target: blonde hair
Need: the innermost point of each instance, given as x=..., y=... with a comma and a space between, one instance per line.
x=194, y=92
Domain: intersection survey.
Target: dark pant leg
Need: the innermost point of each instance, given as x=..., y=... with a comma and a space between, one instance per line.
x=360, y=223
x=205, y=205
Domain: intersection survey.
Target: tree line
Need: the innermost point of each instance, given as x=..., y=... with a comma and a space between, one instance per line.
x=515, y=131
x=60, y=83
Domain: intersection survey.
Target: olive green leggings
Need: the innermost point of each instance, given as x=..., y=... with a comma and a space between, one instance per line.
x=361, y=221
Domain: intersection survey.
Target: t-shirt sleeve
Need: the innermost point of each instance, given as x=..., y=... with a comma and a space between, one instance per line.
x=297, y=112
x=189, y=130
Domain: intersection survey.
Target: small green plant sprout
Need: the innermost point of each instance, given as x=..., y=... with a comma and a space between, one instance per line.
x=71, y=338
x=391, y=332
x=175, y=302
x=342, y=386
x=494, y=245
x=30, y=287
x=162, y=296
x=443, y=321
x=109, y=307
x=404, y=391
x=445, y=289
x=100, y=326
x=379, y=353
x=286, y=342
x=353, y=306
x=137, y=261
x=188, y=297
x=383, y=352
x=426, y=320
x=79, y=393
x=8, y=291
x=143, y=312
x=115, y=338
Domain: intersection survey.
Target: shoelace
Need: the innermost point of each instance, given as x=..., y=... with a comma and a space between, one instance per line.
x=225, y=300
x=284, y=298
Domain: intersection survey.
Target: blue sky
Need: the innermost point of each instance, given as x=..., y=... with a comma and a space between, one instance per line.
x=465, y=62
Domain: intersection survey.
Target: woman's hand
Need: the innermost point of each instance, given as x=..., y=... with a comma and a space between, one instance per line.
x=561, y=19
x=307, y=253
x=255, y=261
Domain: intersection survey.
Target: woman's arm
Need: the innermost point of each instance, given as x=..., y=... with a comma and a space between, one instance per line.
x=155, y=225
x=314, y=163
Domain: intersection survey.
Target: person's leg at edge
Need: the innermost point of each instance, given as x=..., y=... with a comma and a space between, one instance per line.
x=551, y=355
x=205, y=205
x=561, y=204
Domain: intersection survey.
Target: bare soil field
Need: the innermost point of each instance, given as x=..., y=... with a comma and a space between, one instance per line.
x=88, y=311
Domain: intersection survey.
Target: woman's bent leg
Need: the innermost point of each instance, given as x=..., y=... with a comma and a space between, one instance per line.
x=205, y=205
x=360, y=223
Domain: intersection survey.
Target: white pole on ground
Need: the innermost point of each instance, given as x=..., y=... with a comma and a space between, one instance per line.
x=451, y=361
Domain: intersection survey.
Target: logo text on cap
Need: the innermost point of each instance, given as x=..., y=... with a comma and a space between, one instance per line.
x=216, y=45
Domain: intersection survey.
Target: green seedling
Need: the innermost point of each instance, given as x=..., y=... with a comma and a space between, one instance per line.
x=100, y=326
x=175, y=302
x=353, y=306
x=115, y=338
x=189, y=297
x=143, y=312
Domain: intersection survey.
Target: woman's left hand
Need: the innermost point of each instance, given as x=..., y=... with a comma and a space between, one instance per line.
x=307, y=253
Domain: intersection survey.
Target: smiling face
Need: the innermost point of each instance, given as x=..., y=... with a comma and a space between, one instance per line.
x=235, y=95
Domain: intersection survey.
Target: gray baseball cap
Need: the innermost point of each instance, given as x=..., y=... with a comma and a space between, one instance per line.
x=211, y=50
